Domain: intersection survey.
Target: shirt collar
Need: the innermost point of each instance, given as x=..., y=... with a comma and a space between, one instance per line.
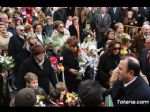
x=127, y=84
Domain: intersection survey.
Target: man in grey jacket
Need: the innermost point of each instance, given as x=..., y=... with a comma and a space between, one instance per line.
x=103, y=22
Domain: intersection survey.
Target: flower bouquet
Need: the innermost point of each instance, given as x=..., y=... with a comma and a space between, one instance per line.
x=87, y=57
x=57, y=67
x=71, y=100
x=125, y=39
x=7, y=62
x=40, y=101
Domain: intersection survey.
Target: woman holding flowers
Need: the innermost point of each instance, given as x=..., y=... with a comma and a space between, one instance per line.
x=58, y=38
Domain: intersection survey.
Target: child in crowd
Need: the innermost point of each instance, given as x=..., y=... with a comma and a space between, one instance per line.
x=32, y=82
x=4, y=91
x=57, y=96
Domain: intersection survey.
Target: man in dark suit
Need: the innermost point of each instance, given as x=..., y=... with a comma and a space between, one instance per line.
x=91, y=17
x=60, y=14
x=103, y=22
x=15, y=48
x=139, y=40
x=116, y=15
x=144, y=13
x=145, y=59
x=130, y=89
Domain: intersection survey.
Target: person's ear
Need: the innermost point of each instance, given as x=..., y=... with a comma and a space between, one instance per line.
x=131, y=72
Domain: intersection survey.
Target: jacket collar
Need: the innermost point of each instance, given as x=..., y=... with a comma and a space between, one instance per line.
x=133, y=85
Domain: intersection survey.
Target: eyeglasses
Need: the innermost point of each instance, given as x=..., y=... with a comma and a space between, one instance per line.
x=116, y=48
x=22, y=30
x=61, y=26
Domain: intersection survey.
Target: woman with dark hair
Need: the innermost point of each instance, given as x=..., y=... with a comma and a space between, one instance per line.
x=58, y=38
x=71, y=64
x=109, y=35
x=108, y=61
x=39, y=65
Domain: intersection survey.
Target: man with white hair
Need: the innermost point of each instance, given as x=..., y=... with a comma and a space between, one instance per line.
x=15, y=47
x=4, y=18
x=139, y=40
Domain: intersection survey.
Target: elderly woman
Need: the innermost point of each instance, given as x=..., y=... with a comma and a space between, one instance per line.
x=58, y=37
x=4, y=38
x=108, y=61
x=39, y=65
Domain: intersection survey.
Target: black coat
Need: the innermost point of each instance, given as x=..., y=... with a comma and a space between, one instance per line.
x=44, y=76
x=117, y=16
x=136, y=91
x=145, y=65
x=73, y=31
x=16, y=50
x=70, y=62
x=4, y=100
x=60, y=15
x=107, y=63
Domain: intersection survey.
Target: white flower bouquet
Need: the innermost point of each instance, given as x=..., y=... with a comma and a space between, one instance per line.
x=7, y=62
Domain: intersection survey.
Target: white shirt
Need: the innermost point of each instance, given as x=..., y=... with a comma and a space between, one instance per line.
x=125, y=85
x=39, y=36
x=103, y=16
x=21, y=37
x=114, y=8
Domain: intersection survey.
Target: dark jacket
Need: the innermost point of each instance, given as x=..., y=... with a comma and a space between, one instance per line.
x=102, y=24
x=73, y=31
x=117, y=16
x=70, y=62
x=145, y=66
x=44, y=75
x=136, y=91
x=16, y=50
x=138, y=44
x=60, y=15
x=4, y=99
x=107, y=63
x=91, y=18
x=48, y=30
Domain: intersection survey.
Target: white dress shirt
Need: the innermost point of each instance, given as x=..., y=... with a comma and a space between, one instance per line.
x=39, y=36
x=127, y=84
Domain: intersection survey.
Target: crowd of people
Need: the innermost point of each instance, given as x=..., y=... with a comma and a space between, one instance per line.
x=74, y=56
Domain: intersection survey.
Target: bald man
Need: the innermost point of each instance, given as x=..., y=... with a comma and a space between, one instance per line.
x=145, y=59
x=130, y=89
x=139, y=40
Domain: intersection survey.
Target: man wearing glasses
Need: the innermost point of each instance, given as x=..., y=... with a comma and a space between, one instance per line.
x=15, y=47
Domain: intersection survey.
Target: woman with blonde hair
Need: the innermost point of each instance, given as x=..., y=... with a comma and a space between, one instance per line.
x=4, y=38
x=31, y=41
